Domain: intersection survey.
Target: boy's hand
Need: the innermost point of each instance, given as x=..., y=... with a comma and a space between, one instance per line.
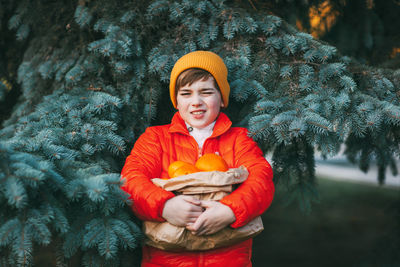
x=216, y=217
x=182, y=210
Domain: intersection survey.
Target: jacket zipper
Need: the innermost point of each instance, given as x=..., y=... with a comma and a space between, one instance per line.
x=201, y=151
x=201, y=259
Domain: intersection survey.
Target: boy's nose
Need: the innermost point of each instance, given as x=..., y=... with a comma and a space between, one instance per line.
x=197, y=101
x=196, y=104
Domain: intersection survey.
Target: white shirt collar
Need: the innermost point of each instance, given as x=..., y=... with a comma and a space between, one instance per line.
x=200, y=135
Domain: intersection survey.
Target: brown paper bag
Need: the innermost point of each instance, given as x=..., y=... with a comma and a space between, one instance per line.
x=204, y=186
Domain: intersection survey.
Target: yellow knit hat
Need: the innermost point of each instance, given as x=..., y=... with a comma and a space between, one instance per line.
x=205, y=60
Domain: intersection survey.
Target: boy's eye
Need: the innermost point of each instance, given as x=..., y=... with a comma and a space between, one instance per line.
x=184, y=93
x=208, y=92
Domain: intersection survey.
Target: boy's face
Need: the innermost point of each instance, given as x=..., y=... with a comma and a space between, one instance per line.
x=199, y=103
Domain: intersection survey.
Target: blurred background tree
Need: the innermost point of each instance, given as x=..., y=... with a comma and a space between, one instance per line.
x=80, y=80
x=364, y=29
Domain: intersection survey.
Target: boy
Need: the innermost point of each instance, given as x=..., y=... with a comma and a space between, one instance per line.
x=198, y=89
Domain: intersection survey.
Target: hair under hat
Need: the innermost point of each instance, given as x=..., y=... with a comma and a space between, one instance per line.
x=205, y=60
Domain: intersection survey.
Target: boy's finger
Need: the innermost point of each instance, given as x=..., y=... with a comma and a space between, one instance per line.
x=189, y=227
x=198, y=224
x=206, y=203
x=194, y=215
x=192, y=200
x=196, y=209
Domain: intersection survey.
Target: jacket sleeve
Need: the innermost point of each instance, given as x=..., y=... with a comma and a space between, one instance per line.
x=255, y=194
x=143, y=164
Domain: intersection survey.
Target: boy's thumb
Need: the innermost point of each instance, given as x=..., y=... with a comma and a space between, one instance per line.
x=206, y=203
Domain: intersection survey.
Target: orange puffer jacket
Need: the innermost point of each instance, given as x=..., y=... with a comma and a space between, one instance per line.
x=159, y=146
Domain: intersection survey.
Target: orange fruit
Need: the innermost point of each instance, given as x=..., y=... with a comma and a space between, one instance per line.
x=174, y=166
x=211, y=162
x=178, y=168
x=185, y=169
x=207, y=162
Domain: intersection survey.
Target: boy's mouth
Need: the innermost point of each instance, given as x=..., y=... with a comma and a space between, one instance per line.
x=198, y=112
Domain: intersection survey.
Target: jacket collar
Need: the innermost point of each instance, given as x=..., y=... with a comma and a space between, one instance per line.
x=222, y=124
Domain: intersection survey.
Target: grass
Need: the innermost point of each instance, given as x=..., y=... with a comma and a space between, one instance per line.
x=353, y=225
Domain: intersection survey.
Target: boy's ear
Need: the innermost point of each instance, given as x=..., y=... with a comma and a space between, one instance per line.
x=222, y=104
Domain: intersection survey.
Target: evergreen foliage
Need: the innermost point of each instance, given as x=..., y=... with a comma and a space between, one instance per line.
x=364, y=29
x=95, y=75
